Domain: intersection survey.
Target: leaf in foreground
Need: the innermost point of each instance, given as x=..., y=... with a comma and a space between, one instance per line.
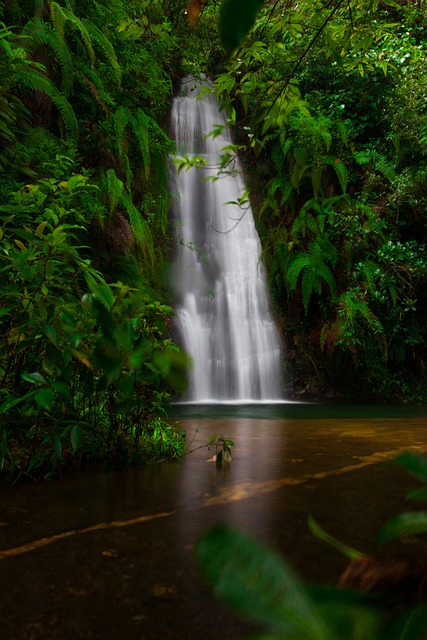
x=235, y=19
x=256, y=582
x=413, y=463
x=405, y=524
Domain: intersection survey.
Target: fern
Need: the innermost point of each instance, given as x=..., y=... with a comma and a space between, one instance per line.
x=115, y=190
x=342, y=174
x=301, y=261
x=121, y=119
x=61, y=15
x=94, y=91
x=106, y=47
x=44, y=85
x=316, y=179
x=315, y=272
x=140, y=229
x=128, y=173
x=379, y=161
x=351, y=309
x=38, y=33
x=140, y=126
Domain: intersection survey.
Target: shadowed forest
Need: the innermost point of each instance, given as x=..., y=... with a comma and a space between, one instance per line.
x=327, y=104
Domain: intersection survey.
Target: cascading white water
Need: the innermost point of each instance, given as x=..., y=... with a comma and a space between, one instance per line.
x=224, y=317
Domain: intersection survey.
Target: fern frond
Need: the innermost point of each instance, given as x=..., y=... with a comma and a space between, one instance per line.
x=38, y=8
x=324, y=273
x=385, y=167
x=61, y=15
x=94, y=91
x=128, y=173
x=34, y=34
x=308, y=282
x=140, y=229
x=106, y=47
x=41, y=83
x=115, y=190
x=342, y=175
x=121, y=119
x=140, y=126
x=63, y=56
x=379, y=161
x=316, y=179
x=301, y=261
x=38, y=33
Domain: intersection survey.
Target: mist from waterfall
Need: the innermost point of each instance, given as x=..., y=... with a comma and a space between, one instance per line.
x=224, y=318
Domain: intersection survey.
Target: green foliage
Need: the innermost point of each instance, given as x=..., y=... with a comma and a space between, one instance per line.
x=89, y=353
x=235, y=20
x=329, y=112
x=413, y=522
x=314, y=268
x=260, y=586
x=86, y=364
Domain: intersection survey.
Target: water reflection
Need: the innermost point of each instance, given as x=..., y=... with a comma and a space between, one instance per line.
x=282, y=469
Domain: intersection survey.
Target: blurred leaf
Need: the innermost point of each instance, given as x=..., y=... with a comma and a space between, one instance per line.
x=409, y=625
x=257, y=583
x=57, y=446
x=413, y=463
x=321, y=534
x=418, y=494
x=102, y=291
x=60, y=387
x=44, y=398
x=12, y=402
x=235, y=19
x=405, y=524
x=350, y=613
x=50, y=333
x=75, y=437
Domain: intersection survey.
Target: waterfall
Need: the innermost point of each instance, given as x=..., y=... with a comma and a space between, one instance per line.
x=223, y=311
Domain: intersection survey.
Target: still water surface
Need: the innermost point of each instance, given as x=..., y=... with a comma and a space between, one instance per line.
x=137, y=578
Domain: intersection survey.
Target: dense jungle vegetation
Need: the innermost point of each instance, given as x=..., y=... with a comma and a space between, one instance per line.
x=328, y=102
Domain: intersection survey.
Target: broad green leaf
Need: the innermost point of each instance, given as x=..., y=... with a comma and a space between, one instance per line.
x=12, y=402
x=255, y=582
x=235, y=19
x=76, y=437
x=102, y=291
x=60, y=387
x=50, y=333
x=405, y=524
x=413, y=463
x=57, y=446
x=34, y=378
x=44, y=398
